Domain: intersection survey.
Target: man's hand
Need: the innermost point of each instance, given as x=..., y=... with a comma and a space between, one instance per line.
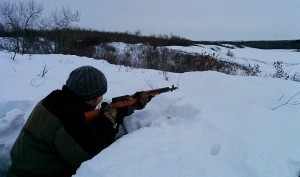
x=142, y=100
x=109, y=113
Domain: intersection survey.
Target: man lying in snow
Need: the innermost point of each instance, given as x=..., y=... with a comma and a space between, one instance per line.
x=57, y=137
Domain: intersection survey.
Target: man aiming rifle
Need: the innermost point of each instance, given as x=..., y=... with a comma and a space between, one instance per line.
x=64, y=129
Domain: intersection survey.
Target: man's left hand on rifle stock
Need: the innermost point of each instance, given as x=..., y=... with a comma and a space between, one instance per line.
x=142, y=100
x=116, y=115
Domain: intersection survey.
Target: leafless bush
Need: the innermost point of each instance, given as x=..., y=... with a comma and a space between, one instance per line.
x=229, y=53
x=279, y=72
x=165, y=74
x=107, y=52
x=7, y=44
x=295, y=77
x=252, y=70
x=44, y=71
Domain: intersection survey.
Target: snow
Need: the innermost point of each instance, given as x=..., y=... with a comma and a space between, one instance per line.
x=264, y=58
x=213, y=125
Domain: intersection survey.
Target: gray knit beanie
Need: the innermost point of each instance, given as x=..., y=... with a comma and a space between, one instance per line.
x=87, y=82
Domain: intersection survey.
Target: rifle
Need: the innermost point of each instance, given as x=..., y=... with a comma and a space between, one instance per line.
x=126, y=103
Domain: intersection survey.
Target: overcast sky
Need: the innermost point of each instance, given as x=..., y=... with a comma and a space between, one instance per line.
x=192, y=19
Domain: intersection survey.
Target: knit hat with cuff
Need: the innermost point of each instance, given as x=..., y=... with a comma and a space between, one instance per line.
x=87, y=82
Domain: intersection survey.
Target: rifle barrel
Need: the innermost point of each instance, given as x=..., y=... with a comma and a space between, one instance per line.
x=160, y=90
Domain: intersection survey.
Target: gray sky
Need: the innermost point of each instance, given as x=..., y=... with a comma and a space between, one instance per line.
x=192, y=19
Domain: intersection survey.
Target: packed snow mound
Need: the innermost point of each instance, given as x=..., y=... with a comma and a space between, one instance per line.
x=218, y=126
x=10, y=125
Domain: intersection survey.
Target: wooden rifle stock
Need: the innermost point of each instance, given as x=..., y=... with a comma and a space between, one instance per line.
x=126, y=100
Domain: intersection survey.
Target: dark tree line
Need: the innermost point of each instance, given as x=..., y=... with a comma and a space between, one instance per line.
x=277, y=44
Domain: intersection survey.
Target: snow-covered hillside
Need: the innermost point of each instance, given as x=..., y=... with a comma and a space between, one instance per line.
x=264, y=58
x=213, y=125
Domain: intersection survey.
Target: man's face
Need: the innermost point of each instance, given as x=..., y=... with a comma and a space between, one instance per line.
x=95, y=102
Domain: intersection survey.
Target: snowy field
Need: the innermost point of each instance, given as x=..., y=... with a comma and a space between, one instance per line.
x=213, y=125
x=264, y=58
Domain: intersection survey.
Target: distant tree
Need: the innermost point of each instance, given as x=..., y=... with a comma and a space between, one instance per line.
x=138, y=33
x=20, y=19
x=60, y=21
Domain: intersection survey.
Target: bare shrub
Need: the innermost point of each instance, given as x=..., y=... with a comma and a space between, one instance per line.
x=229, y=53
x=296, y=77
x=252, y=70
x=107, y=52
x=44, y=71
x=279, y=72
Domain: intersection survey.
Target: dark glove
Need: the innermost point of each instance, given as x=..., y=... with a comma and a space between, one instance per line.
x=142, y=100
x=107, y=112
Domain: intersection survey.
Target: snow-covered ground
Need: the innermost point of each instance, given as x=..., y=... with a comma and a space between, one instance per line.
x=264, y=58
x=213, y=125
